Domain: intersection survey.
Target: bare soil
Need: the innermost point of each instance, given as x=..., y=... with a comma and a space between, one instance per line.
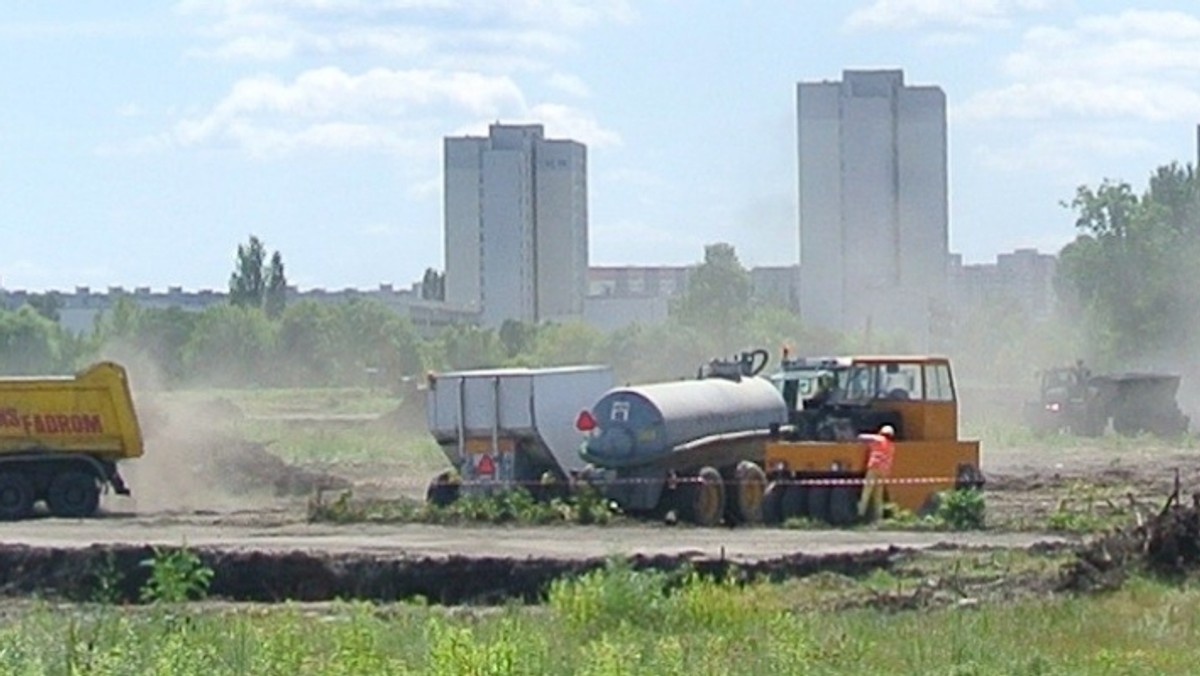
x=1026, y=484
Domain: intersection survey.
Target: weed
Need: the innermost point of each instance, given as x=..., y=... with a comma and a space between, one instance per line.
x=1088, y=508
x=108, y=579
x=176, y=575
x=517, y=506
x=961, y=509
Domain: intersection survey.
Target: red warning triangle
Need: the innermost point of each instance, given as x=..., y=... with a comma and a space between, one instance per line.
x=485, y=465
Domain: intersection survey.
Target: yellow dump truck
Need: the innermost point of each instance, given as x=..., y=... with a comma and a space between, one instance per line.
x=61, y=439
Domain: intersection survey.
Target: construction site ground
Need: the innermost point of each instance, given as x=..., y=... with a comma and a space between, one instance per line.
x=244, y=503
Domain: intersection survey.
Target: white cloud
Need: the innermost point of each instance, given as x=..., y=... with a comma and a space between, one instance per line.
x=381, y=109
x=1137, y=64
x=563, y=13
x=915, y=14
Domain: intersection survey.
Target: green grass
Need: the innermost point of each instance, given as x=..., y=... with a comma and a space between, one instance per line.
x=359, y=442
x=297, y=401
x=620, y=622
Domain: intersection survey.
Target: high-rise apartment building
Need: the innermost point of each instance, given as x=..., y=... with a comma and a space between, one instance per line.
x=874, y=224
x=516, y=224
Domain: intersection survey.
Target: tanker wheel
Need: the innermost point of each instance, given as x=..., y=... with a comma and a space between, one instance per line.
x=795, y=502
x=16, y=496
x=818, y=503
x=749, y=489
x=702, y=500
x=772, y=506
x=73, y=494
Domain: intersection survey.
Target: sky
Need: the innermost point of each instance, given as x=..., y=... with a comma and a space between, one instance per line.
x=142, y=141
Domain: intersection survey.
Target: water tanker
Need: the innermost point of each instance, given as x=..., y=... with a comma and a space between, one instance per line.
x=693, y=447
x=651, y=423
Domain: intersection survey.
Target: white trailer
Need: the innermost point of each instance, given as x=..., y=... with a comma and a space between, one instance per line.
x=506, y=427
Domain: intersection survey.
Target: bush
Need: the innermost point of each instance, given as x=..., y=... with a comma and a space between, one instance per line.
x=961, y=509
x=176, y=575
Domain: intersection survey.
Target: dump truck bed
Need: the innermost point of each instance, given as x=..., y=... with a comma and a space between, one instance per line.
x=90, y=413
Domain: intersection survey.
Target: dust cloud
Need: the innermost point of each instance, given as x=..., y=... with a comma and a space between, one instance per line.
x=195, y=457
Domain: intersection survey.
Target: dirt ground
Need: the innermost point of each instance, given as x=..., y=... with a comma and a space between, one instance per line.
x=259, y=529
x=1027, y=483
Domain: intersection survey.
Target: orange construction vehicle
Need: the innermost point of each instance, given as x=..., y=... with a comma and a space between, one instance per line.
x=816, y=469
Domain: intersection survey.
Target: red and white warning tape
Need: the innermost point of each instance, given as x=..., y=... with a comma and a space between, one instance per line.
x=670, y=481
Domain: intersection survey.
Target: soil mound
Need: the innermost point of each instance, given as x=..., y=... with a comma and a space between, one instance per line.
x=1166, y=545
x=194, y=451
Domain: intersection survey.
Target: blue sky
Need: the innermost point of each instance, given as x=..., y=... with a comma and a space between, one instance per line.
x=141, y=141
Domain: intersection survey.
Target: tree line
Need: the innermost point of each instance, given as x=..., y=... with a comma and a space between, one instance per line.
x=254, y=341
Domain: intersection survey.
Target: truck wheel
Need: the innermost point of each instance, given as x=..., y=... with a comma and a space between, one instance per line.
x=749, y=487
x=73, y=494
x=795, y=502
x=772, y=507
x=16, y=496
x=818, y=503
x=842, y=508
x=702, y=500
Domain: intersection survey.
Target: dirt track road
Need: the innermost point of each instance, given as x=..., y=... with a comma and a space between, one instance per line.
x=237, y=531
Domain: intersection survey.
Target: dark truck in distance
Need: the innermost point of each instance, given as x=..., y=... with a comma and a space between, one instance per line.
x=1071, y=399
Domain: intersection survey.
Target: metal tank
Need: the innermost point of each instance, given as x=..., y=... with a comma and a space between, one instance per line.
x=644, y=424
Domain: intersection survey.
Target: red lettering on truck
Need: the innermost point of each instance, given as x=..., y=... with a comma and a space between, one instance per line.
x=53, y=423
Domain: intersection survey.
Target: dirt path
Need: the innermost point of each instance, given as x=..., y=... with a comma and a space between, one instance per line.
x=277, y=531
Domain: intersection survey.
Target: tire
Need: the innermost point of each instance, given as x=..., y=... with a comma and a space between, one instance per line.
x=73, y=494
x=702, y=500
x=772, y=506
x=795, y=502
x=442, y=490
x=16, y=496
x=749, y=489
x=818, y=503
x=843, y=508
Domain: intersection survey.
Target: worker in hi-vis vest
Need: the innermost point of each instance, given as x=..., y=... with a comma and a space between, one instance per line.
x=881, y=450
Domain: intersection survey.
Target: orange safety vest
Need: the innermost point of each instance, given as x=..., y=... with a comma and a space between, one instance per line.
x=880, y=452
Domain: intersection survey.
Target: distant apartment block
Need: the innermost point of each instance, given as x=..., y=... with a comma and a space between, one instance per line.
x=873, y=203
x=516, y=224
x=778, y=286
x=624, y=281
x=1024, y=278
x=80, y=309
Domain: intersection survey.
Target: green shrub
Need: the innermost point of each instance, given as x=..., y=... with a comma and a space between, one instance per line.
x=961, y=509
x=176, y=575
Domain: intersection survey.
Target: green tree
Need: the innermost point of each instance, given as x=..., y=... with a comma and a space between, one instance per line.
x=255, y=282
x=567, y=344
x=717, y=298
x=464, y=346
x=1129, y=275
x=275, y=296
x=231, y=346
x=32, y=344
x=309, y=346
x=517, y=337
x=47, y=304
x=433, y=285
x=377, y=343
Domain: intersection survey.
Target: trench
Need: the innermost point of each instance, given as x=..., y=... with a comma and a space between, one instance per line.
x=276, y=576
